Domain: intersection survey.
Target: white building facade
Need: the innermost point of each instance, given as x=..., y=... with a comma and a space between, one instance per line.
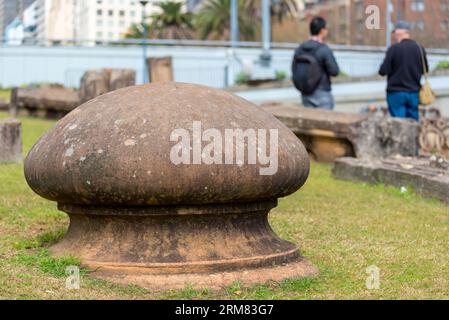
x=88, y=21
x=109, y=20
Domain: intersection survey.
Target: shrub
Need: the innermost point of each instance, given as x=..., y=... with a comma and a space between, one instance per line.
x=241, y=78
x=281, y=75
x=442, y=65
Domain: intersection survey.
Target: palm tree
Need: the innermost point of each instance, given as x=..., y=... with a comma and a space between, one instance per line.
x=135, y=31
x=280, y=9
x=171, y=23
x=213, y=21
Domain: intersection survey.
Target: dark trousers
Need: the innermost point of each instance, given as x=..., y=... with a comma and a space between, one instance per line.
x=404, y=104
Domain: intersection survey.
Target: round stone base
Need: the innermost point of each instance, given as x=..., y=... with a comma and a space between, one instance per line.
x=161, y=248
x=213, y=281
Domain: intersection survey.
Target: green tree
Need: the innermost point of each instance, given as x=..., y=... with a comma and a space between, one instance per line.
x=171, y=23
x=135, y=31
x=213, y=20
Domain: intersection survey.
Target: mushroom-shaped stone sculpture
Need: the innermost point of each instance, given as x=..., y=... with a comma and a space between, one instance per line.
x=171, y=184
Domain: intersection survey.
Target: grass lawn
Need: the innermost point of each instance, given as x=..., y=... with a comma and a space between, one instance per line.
x=5, y=94
x=342, y=227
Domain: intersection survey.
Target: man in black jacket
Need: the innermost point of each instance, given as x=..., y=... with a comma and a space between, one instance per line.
x=321, y=97
x=404, y=67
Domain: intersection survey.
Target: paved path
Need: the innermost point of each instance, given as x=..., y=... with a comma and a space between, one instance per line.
x=350, y=97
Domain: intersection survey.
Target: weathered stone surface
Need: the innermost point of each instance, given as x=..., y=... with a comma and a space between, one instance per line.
x=47, y=101
x=13, y=103
x=426, y=178
x=329, y=135
x=161, y=69
x=381, y=137
x=56, y=101
x=10, y=140
x=434, y=135
x=136, y=217
x=94, y=83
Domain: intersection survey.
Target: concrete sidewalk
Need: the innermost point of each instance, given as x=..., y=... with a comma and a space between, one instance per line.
x=349, y=97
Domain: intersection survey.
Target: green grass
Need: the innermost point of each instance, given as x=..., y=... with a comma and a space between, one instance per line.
x=342, y=227
x=5, y=94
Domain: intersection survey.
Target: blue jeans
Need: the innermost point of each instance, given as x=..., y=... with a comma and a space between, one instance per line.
x=319, y=99
x=404, y=104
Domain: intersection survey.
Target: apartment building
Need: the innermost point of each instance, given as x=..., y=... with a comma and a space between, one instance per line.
x=337, y=14
x=347, y=20
x=9, y=10
x=108, y=19
x=89, y=21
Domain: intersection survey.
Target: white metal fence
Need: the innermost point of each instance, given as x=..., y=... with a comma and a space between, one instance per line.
x=216, y=65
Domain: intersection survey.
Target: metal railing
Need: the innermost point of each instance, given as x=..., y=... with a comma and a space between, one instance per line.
x=195, y=43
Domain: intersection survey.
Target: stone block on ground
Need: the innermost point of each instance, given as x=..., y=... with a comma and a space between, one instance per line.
x=329, y=135
x=434, y=135
x=427, y=176
x=95, y=83
x=161, y=69
x=381, y=137
x=121, y=78
x=10, y=140
x=47, y=101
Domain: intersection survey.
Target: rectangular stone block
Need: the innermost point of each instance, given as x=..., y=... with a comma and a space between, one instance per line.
x=161, y=69
x=95, y=83
x=10, y=140
x=329, y=135
x=427, y=177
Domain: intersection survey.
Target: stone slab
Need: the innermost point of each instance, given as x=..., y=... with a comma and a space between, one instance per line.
x=427, y=177
x=10, y=140
x=329, y=135
x=95, y=83
x=50, y=101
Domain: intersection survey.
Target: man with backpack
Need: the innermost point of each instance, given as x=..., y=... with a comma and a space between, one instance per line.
x=404, y=64
x=313, y=66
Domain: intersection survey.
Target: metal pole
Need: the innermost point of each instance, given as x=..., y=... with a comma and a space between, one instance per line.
x=234, y=23
x=388, y=23
x=144, y=42
x=266, y=30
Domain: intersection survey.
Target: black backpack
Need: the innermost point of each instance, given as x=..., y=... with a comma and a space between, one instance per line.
x=306, y=71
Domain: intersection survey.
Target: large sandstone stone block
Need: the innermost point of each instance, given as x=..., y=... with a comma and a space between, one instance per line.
x=10, y=140
x=46, y=101
x=382, y=137
x=161, y=69
x=329, y=135
x=95, y=83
